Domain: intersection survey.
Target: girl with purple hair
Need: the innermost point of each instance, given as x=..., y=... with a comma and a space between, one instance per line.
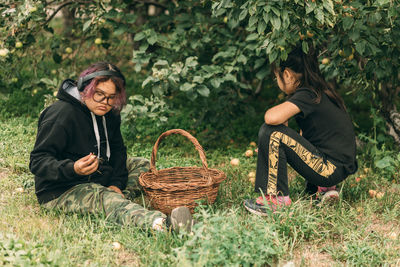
x=79, y=159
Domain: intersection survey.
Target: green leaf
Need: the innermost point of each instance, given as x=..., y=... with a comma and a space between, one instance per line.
x=121, y=30
x=243, y=14
x=147, y=80
x=139, y=36
x=319, y=15
x=262, y=73
x=86, y=25
x=272, y=56
x=253, y=20
x=276, y=11
x=384, y=163
x=198, y=79
x=360, y=47
x=186, y=87
x=161, y=63
x=328, y=5
x=230, y=77
x=215, y=82
x=347, y=23
x=152, y=39
x=304, y=47
x=276, y=22
x=252, y=37
x=261, y=27
x=242, y=59
x=157, y=90
x=191, y=62
x=203, y=90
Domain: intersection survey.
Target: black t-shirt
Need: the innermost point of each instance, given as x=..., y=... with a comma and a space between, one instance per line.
x=327, y=127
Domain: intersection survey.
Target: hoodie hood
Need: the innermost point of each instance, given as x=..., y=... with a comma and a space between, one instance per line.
x=68, y=91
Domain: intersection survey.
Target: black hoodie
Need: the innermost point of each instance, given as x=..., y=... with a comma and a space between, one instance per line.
x=66, y=134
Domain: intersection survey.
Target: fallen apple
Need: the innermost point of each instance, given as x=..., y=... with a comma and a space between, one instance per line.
x=19, y=190
x=235, y=162
x=251, y=175
x=248, y=153
x=372, y=193
x=116, y=245
x=252, y=180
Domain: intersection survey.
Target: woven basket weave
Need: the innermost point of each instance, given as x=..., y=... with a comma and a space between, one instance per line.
x=180, y=186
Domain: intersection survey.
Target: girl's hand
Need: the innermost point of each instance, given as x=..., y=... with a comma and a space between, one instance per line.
x=117, y=190
x=86, y=165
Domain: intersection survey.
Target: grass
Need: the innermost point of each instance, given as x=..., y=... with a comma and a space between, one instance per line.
x=357, y=231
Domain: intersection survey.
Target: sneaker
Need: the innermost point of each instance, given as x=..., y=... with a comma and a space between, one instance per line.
x=180, y=219
x=259, y=207
x=328, y=194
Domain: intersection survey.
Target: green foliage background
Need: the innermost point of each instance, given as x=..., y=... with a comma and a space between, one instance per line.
x=202, y=65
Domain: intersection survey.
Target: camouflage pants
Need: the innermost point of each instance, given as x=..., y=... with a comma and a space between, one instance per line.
x=96, y=199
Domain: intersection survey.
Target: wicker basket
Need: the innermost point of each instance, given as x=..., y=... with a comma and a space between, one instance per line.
x=180, y=186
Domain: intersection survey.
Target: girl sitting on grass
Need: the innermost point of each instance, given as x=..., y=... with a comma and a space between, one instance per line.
x=325, y=153
x=79, y=159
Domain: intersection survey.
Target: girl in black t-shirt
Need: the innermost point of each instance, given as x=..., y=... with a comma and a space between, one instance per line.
x=325, y=153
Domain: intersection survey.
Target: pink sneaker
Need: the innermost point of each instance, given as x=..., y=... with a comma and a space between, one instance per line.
x=260, y=207
x=329, y=194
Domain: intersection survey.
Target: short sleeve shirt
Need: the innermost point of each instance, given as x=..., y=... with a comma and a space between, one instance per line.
x=327, y=126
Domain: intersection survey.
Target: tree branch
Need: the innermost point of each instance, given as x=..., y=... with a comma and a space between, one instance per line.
x=61, y=7
x=154, y=3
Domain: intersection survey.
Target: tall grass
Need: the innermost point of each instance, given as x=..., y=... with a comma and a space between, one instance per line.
x=356, y=231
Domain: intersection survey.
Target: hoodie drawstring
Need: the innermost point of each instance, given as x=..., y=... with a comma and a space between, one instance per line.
x=96, y=133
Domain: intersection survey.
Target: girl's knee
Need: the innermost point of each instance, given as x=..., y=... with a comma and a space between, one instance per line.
x=264, y=132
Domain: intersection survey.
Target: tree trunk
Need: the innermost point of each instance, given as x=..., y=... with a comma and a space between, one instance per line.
x=69, y=20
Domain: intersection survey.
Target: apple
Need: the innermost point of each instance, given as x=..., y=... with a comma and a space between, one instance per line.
x=68, y=50
x=253, y=144
x=235, y=162
x=14, y=79
x=326, y=61
x=98, y=41
x=252, y=180
x=116, y=245
x=33, y=9
x=372, y=193
x=54, y=72
x=393, y=236
x=225, y=19
x=4, y=52
x=358, y=179
x=248, y=153
x=310, y=34
x=350, y=57
x=18, y=44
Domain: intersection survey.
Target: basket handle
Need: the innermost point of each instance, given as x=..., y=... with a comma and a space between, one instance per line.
x=191, y=138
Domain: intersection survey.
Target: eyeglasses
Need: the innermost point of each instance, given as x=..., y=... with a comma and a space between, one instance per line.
x=100, y=96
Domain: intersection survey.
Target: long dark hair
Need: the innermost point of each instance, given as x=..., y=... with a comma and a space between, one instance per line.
x=311, y=77
x=119, y=82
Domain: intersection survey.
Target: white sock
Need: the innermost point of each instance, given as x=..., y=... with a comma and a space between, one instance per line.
x=158, y=224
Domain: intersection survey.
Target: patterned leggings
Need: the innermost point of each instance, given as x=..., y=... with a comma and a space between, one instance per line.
x=96, y=199
x=279, y=145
